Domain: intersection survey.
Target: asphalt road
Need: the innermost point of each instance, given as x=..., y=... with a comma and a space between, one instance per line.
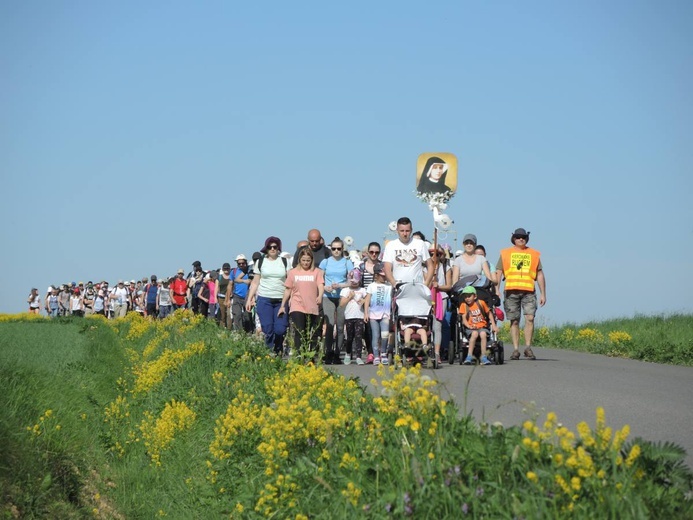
x=655, y=400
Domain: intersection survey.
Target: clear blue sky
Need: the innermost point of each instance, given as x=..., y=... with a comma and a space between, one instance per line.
x=136, y=137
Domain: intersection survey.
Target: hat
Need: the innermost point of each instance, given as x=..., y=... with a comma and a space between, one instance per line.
x=197, y=263
x=271, y=240
x=181, y=271
x=354, y=277
x=379, y=268
x=519, y=232
x=153, y=278
x=120, y=281
x=132, y=282
x=241, y=257
x=469, y=236
x=226, y=265
x=469, y=290
x=127, y=283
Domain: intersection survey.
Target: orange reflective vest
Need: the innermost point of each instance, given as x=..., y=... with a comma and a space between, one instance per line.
x=520, y=268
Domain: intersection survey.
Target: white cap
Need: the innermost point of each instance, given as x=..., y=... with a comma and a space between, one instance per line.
x=241, y=257
x=458, y=253
x=50, y=288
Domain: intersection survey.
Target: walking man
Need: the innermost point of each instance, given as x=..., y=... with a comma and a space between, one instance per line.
x=521, y=267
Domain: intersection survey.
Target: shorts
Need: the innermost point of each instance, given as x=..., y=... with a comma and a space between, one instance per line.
x=513, y=300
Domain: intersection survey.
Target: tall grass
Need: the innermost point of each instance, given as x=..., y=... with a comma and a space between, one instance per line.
x=181, y=419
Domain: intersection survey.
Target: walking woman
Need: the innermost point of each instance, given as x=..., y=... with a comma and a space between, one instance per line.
x=34, y=301
x=304, y=288
x=336, y=269
x=266, y=293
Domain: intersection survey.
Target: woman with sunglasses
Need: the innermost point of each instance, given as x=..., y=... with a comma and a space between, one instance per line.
x=469, y=263
x=368, y=277
x=441, y=285
x=266, y=293
x=336, y=269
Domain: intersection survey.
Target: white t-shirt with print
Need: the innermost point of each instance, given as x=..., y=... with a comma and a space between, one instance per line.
x=407, y=259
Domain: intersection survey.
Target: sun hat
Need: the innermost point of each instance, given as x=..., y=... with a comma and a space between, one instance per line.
x=271, y=240
x=519, y=232
x=241, y=257
x=469, y=236
x=354, y=277
x=181, y=271
x=469, y=290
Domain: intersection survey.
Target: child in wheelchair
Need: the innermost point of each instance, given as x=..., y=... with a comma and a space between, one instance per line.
x=476, y=320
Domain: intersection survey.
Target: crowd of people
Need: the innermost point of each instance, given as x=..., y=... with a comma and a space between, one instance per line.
x=325, y=295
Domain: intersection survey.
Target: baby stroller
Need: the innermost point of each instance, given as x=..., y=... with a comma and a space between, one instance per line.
x=412, y=310
x=460, y=347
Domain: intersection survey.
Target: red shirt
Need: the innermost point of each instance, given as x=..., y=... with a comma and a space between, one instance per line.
x=179, y=290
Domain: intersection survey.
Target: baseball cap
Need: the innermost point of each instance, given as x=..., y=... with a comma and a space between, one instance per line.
x=469, y=236
x=226, y=265
x=469, y=290
x=197, y=263
x=241, y=257
x=181, y=271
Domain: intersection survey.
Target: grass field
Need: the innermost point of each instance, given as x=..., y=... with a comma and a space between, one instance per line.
x=179, y=419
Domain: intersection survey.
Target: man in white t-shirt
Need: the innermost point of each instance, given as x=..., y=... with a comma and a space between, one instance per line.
x=404, y=258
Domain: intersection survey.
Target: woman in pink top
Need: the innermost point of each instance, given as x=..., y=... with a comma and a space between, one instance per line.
x=305, y=285
x=208, y=293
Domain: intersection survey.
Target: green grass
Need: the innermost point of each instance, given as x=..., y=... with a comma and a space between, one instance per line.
x=69, y=370
x=184, y=420
x=658, y=339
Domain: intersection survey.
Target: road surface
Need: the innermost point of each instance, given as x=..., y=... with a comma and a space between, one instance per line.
x=656, y=401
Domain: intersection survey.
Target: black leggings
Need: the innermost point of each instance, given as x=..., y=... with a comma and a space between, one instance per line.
x=304, y=325
x=354, y=336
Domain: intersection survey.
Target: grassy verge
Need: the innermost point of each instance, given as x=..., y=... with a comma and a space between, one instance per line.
x=179, y=419
x=658, y=339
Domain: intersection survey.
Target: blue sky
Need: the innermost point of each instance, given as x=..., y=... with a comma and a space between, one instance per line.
x=138, y=137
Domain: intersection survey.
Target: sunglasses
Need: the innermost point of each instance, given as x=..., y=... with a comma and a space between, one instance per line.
x=521, y=237
x=273, y=246
x=374, y=252
x=336, y=249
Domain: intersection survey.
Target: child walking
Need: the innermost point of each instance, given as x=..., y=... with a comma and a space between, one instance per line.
x=377, y=309
x=353, y=298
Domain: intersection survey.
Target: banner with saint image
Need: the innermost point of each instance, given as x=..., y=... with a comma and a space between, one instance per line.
x=436, y=177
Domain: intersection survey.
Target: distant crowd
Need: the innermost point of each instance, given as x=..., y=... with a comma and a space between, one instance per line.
x=268, y=291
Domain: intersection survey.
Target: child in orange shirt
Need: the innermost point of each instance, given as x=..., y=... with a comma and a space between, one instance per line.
x=475, y=319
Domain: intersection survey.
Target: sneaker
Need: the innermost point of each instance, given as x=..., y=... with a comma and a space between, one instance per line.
x=347, y=359
x=485, y=360
x=384, y=360
x=370, y=359
x=528, y=353
x=515, y=355
x=376, y=361
x=469, y=360
x=360, y=361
